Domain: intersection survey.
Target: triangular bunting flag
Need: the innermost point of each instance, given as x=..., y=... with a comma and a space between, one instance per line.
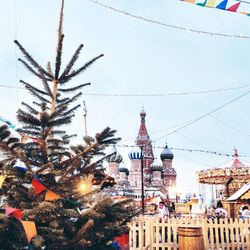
x=30, y=229
x=222, y=5
x=51, y=196
x=234, y=7
x=13, y=212
x=2, y=178
x=210, y=3
x=38, y=186
x=202, y=4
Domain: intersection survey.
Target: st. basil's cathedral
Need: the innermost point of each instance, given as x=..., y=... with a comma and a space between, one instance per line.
x=159, y=177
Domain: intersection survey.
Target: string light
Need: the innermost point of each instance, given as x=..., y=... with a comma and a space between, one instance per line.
x=187, y=150
x=201, y=32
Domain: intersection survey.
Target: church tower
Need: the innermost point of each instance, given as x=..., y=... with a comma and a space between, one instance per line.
x=143, y=140
x=169, y=173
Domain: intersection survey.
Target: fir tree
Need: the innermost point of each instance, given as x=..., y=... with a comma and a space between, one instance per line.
x=45, y=186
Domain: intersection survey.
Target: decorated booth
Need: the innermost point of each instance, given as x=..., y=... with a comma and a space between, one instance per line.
x=233, y=175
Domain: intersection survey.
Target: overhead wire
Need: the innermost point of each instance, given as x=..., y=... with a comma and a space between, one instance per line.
x=191, y=150
x=167, y=25
x=199, y=92
x=229, y=125
x=205, y=115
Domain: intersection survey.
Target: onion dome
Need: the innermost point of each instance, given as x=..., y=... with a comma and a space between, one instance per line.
x=143, y=113
x=135, y=154
x=169, y=171
x=116, y=157
x=166, y=154
x=156, y=166
x=123, y=170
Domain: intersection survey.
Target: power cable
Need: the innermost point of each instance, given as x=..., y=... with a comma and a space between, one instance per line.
x=186, y=150
x=205, y=115
x=153, y=94
x=166, y=24
x=229, y=125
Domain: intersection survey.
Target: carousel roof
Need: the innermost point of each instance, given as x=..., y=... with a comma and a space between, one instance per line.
x=239, y=193
x=237, y=169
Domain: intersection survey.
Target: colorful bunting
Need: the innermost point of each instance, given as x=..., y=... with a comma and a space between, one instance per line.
x=210, y=3
x=38, y=186
x=51, y=196
x=13, y=212
x=242, y=7
x=29, y=226
x=30, y=229
x=2, y=178
x=222, y=5
x=234, y=7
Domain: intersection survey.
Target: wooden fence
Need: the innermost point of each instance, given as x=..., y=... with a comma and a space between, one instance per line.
x=149, y=233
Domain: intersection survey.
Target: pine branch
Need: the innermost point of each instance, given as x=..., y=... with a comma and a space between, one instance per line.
x=31, y=60
x=60, y=121
x=71, y=63
x=30, y=109
x=49, y=69
x=74, y=98
x=35, y=94
x=83, y=68
x=74, y=88
x=27, y=118
x=71, y=111
x=46, y=85
x=29, y=86
x=30, y=68
x=58, y=56
x=106, y=137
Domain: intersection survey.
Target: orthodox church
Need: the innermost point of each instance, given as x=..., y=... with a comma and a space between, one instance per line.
x=159, y=178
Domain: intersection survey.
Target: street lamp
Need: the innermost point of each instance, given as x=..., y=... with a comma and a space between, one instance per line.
x=142, y=182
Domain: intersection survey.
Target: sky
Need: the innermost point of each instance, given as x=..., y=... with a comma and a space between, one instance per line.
x=141, y=58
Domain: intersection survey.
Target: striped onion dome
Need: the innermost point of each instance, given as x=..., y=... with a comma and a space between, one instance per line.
x=156, y=166
x=116, y=157
x=135, y=154
x=166, y=154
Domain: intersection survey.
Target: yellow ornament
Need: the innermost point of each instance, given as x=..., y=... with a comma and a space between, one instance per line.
x=2, y=178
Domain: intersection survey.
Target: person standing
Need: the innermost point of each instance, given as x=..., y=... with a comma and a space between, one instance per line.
x=163, y=211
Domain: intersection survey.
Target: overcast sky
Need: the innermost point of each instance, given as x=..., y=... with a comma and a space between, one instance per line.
x=141, y=58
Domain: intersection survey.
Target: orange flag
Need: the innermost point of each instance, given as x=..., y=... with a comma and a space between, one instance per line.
x=30, y=229
x=51, y=196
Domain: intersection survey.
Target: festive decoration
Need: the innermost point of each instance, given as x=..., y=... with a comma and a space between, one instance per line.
x=233, y=175
x=13, y=212
x=30, y=229
x=45, y=162
x=51, y=196
x=241, y=7
x=2, y=178
x=167, y=25
x=38, y=186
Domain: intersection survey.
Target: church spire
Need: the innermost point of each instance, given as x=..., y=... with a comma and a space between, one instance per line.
x=143, y=140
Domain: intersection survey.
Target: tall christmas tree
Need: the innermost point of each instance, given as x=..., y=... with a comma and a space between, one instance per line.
x=40, y=173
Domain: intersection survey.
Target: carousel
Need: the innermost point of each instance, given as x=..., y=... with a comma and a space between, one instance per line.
x=232, y=176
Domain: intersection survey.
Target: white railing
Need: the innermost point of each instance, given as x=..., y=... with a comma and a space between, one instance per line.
x=149, y=233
